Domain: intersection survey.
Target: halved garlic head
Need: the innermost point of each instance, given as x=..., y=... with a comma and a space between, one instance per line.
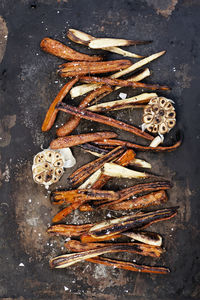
x=48, y=165
x=159, y=115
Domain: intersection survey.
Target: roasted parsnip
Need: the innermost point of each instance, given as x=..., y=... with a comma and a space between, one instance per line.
x=121, y=104
x=85, y=171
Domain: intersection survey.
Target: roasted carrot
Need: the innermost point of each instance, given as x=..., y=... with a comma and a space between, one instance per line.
x=74, y=140
x=144, y=249
x=67, y=260
x=69, y=230
x=112, y=143
x=52, y=111
x=63, y=197
x=73, y=122
x=155, y=198
x=128, y=265
x=82, y=113
x=58, y=49
x=120, y=82
x=82, y=68
x=67, y=210
x=139, y=188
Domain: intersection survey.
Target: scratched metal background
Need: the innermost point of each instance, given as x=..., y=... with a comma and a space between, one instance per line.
x=29, y=83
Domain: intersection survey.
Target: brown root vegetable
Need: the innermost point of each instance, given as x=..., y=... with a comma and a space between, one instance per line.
x=112, y=143
x=66, y=211
x=58, y=49
x=86, y=207
x=144, y=249
x=62, y=197
x=85, y=171
x=139, y=188
x=120, y=82
x=103, y=120
x=67, y=260
x=82, y=68
x=74, y=140
x=52, y=111
x=155, y=198
x=134, y=221
x=73, y=122
x=124, y=265
x=69, y=230
x=146, y=237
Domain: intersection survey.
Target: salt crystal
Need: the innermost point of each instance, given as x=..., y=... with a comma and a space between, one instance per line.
x=29, y=200
x=109, y=215
x=21, y=265
x=66, y=288
x=122, y=96
x=58, y=11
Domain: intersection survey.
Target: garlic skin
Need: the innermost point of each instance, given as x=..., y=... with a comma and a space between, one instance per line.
x=159, y=115
x=48, y=165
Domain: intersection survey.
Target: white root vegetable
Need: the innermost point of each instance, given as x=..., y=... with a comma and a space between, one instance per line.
x=139, y=99
x=115, y=170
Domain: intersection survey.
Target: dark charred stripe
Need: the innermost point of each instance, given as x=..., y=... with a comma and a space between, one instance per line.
x=135, y=222
x=92, y=148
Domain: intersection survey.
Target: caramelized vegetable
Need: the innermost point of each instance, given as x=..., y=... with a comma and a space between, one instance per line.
x=52, y=111
x=73, y=122
x=128, y=265
x=142, y=249
x=103, y=119
x=135, y=221
x=85, y=171
x=155, y=198
x=120, y=82
x=82, y=68
x=62, y=197
x=66, y=260
x=69, y=230
x=112, y=142
x=74, y=140
x=58, y=49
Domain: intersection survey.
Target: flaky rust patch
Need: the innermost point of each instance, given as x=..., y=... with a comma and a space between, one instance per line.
x=163, y=7
x=3, y=37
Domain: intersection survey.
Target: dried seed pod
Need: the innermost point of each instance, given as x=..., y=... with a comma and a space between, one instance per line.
x=159, y=115
x=48, y=165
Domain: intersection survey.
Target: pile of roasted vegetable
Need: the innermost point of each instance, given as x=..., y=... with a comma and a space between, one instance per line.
x=114, y=156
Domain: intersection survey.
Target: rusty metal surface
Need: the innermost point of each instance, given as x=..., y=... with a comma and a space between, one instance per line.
x=28, y=84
